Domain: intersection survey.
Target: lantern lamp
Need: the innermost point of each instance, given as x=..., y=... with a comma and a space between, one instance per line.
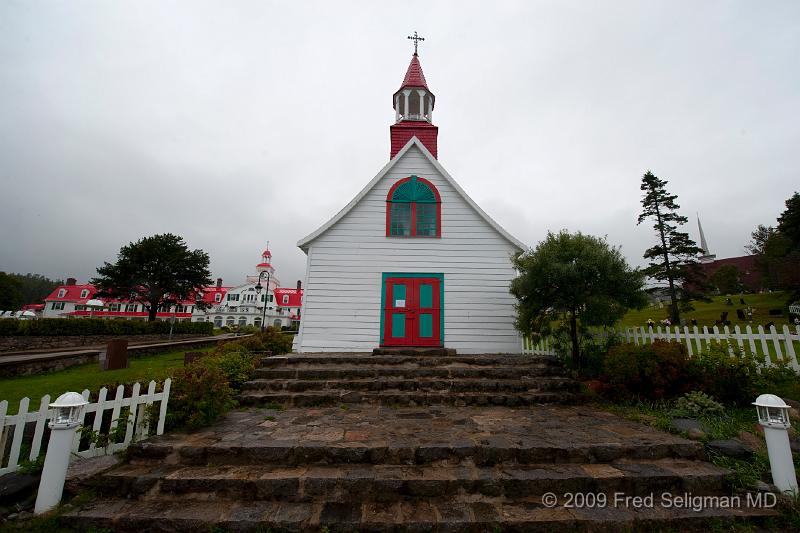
x=68, y=409
x=772, y=411
x=773, y=415
x=67, y=416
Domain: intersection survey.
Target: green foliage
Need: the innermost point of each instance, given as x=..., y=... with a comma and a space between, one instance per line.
x=155, y=270
x=11, y=298
x=662, y=370
x=112, y=435
x=236, y=364
x=276, y=342
x=727, y=279
x=647, y=372
x=58, y=327
x=673, y=258
x=697, y=403
x=577, y=278
x=199, y=395
x=778, y=250
x=35, y=287
x=26, y=466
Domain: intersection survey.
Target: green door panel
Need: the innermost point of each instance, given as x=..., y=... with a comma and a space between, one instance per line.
x=398, y=325
x=426, y=325
x=425, y=296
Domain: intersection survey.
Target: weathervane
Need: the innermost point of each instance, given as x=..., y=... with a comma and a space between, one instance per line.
x=416, y=38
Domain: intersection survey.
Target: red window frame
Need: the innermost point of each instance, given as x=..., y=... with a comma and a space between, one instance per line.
x=438, y=205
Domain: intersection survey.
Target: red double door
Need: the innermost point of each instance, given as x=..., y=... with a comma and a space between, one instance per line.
x=412, y=312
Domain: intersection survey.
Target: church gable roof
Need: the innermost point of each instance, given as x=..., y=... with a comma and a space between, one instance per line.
x=306, y=241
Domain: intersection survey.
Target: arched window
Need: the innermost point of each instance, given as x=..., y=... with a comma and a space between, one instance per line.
x=413, y=209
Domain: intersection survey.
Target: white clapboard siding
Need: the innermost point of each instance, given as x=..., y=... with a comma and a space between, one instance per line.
x=341, y=302
x=767, y=347
x=12, y=427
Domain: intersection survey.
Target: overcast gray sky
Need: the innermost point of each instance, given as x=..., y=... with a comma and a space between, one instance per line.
x=237, y=123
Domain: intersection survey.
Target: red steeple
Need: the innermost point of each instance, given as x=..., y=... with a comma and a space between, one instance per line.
x=413, y=103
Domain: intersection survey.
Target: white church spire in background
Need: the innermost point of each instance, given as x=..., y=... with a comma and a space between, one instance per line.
x=706, y=257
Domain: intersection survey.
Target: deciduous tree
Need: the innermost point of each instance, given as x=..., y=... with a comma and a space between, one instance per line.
x=674, y=258
x=10, y=293
x=155, y=271
x=576, y=277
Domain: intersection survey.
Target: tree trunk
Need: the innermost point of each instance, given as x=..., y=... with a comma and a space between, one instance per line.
x=674, y=313
x=573, y=333
x=152, y=312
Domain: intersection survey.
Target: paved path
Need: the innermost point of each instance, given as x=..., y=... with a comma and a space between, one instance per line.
x=12, y=359
x=575, y=429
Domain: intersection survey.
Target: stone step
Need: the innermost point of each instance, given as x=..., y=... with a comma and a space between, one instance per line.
x=356, y=360
x=380, y=371
x=400, y=350
x=419, y=384
x=491, y=451
x=440, y=515
x=404, y=398
x=365, y=483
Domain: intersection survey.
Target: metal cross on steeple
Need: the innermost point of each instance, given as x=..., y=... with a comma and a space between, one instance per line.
x=416, y=38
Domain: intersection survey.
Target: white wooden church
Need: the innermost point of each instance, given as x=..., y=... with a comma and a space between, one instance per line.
x=411, y=260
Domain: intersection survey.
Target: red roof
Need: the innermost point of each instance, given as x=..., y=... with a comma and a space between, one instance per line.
x=33, y=307
x=402, y=132
x=72, y=293
x=295, y=297
x=414, y=76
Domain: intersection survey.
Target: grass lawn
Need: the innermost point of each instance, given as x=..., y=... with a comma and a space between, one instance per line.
x=88, y=376
x=707, y=312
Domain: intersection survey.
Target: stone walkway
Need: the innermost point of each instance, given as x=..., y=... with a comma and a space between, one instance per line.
x=438, y=468
x=556, y=432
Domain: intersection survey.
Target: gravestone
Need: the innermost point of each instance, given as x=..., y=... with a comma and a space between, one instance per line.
x=116, y=355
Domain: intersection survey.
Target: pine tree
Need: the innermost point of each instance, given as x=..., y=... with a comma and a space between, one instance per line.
x=673, y=259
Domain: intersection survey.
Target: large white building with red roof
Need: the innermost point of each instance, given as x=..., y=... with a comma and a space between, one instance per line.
x=411, y=261
x=240, y=305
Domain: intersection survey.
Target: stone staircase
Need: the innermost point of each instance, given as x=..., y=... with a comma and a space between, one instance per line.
x=351, y=452
x=428, y=377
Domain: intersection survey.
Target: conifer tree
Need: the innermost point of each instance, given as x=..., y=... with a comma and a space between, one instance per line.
x=673, y=258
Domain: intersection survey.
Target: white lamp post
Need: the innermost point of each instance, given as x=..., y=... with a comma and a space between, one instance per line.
x=773, y=415
x=67, y=410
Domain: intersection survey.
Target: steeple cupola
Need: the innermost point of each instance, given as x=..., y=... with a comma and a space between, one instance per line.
x=413, y=105
x=266, y=261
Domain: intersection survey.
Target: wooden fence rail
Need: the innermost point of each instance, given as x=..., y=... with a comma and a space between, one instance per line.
x=136, y=418
x=768, y=347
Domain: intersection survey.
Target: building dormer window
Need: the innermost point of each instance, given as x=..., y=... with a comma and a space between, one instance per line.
x=62, y=293
x=413, y=209
x=218, y=297
x=286, y=298
x=85, y=293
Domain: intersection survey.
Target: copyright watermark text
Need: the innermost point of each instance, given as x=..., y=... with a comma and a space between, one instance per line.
x=665, y=500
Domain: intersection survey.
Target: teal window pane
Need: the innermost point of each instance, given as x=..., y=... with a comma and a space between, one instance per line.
x=400, y=219
x=398, y=325
x=399, y=294
x=426, y=219
x=425, y=325
x=425, y=296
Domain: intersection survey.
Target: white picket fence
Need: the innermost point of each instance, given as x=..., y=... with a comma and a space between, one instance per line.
x=138, y=423
x=769, y=347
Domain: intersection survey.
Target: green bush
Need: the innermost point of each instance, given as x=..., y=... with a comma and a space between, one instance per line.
x=735, y=378
x=52, y=327
x=236, y=364
x=199, y=395
x=697, y=403
x=654, y=371
x=276, y=342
